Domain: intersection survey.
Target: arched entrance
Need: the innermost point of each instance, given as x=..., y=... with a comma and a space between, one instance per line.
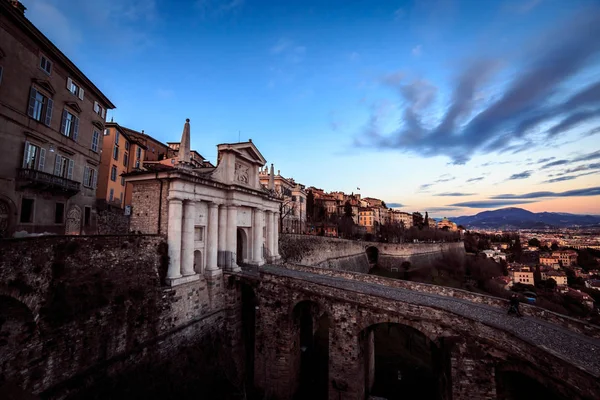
x=514, y=382
x=73, y=225
x=401, y=363
x=311, y=349
x=242, y=246
x=372, y=255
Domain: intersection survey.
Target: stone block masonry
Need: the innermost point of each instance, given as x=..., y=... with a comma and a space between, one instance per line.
x=80, y=310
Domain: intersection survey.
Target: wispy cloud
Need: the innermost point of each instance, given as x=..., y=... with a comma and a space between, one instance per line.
x=490, y=203
x=49, y=19
x=417, y=50
x=480, y=178
x=592, y=191
x=395, y=205
x=441, y=209
x=545, y=160
x=445, y=178
x=289, y=50
x=425, y=187
x=555, y=164
x=511, y=120
x=561, y=179
x=454, y=194
x=520, y=175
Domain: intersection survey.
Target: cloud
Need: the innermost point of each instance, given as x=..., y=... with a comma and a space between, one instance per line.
x=588, y=157
x=394, y=205
x=452, y=194
x=592, y=191
x=288, y=50
x=445, y=178
x=516, y=118
x=53, y=23
x=562, y=178
x=555, y=163
x=520, y=175
x=417, y=50
x=480, y=178
x=579, y=168
x=490, y=203
x=526, y=6
x=592, y=132
x=441, y=209
x=425, y=187
x=545, y=160
x=489, y=163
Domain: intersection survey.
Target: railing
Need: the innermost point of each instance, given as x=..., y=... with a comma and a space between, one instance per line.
x=48, y=181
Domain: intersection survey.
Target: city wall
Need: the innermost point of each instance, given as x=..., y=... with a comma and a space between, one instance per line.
x=75, y=311
x=350, y=255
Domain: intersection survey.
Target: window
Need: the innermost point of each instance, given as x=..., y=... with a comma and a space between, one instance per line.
x=137, y=164
x=111, y=195
x=40, y=106
x=122, y=181
x=125, y=159
x=26, y=210
x=59, y=213
x=70, y=125
x=199, y=233
x=63, y=167
x=106, y=132
x=138, y=153
x=116, y=153
x=98, y=109
x=95, y=141
x=113, y=173
x=121, y=197
x=117, y=138
x=90, y=177
x=87, y=216
x=46, y=65
x=126, y=145
x=34, y=157
x=74, y=88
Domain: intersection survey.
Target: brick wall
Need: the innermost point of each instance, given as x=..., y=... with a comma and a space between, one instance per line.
x=148, y=203
x=95, y=317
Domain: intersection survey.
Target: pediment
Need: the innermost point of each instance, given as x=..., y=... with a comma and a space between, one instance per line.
x=246, y=151
x=46, y=85
x=98, y=124
x=74, y=106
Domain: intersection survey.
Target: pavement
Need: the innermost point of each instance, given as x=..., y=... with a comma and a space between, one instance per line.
x=577, y=349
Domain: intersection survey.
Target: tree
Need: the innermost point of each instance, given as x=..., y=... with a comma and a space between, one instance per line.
x=417, y=219
x=550, y=284
x=534, y=242
x=554, y=246
x=383, y=204
x=426, y=220
x=287, y=209
x=348, y=209
x=310, y=205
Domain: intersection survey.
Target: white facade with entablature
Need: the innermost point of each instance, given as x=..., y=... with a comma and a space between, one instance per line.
x=218, y=218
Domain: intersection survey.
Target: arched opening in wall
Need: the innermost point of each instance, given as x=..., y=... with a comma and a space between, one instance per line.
x=198, y=262
x=242, y=247
x=372, y=255
x=402, y=363
x=249, y=304
x=17, y=328
x=515, y=385
x=311, y=351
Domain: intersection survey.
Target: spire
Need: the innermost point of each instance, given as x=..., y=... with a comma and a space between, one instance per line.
x=184, y=155
x=272, y=178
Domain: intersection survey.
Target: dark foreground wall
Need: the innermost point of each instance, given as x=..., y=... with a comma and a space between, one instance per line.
x=88, y=317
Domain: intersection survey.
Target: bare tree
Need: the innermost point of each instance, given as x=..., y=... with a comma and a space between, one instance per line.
x=287, y=210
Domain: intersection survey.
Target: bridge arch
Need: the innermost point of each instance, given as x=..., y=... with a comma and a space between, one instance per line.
x=517, y=380
x=372, y=254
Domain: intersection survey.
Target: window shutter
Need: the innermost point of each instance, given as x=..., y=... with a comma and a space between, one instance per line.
x=63, y=124
x=69, y=82
x=49, y=112
x=57, y=162
x=75, y=128
x=94, y=178
x=42, y=159
x=103, y=112
x=86, y=176
x=25, y=154
x=70, y=172
x=96, y=107
x=31, y=108
x=81, y=91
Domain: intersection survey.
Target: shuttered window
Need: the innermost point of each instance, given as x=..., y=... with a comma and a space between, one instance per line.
x=40, y=106
x=63, y=167
x=95, y=140
x=69, y=125
x=34, y=157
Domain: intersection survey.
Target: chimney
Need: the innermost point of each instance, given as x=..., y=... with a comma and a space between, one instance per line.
x=17, y=4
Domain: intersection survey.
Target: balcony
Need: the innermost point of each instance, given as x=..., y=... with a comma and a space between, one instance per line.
x=42, y=181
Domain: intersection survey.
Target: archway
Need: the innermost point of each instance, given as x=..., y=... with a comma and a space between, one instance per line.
x=518, y=382
x=311, y=358
x=372, y=255
x=73, y=225
x=241, y=247
x=198, y=262
x=401, y=363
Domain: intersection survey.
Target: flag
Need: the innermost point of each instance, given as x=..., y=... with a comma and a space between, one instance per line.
x=357, y=188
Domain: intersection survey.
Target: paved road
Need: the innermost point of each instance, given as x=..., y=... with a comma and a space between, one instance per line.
x=577, y=349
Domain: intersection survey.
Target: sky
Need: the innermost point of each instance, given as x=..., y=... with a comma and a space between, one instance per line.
x=451, y=107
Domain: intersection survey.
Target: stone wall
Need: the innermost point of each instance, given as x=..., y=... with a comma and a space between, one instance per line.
x=149, y=216
x=92, y=309
x=332, y=252
x=112, y=221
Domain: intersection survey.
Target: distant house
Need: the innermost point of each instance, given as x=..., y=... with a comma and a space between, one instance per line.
x=593, y=284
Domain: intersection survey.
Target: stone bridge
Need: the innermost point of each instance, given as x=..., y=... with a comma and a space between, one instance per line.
x=328, y=334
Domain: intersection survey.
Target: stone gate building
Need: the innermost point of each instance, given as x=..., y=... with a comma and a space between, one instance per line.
x=214, y=218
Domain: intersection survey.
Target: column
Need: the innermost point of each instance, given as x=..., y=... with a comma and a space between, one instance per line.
x=276, y=235
x=231, y=238
x=174, y=238
x=257, y=237
x=187, y=240
x=222, y=245
x=212, y=238
x=269, y=223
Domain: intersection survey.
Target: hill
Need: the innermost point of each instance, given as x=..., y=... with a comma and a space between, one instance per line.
x=518, y=218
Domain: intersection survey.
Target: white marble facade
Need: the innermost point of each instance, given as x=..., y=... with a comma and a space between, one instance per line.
x=218, y=217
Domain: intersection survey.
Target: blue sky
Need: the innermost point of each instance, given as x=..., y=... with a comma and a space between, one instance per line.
x=448, y=106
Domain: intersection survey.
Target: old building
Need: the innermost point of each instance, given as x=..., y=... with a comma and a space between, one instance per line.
x=292, y=214
x=368, y=219
x=567, y=258
x=401, y=218
x=121, y=153
x=215, y=218
x=51, y=122
x=155, y=150
x=522, y=275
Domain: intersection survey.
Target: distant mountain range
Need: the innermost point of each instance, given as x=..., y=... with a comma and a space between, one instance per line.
x=518, y=218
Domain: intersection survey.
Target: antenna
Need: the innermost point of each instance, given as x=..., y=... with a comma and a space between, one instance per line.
x=239, y=133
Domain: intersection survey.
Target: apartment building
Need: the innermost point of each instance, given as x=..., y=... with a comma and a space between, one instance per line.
x=367, y=218
x=402, y=218
x=155, y=150
x=51, y=122
x=522, y=275
x=293, y=194
x=121, y=153
x=566, y=257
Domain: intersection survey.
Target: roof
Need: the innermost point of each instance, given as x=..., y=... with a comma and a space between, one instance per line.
x=125, y=132
x=26, y=26
x=252, y=152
